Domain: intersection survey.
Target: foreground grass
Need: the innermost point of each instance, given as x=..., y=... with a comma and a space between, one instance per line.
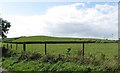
x=38, y=65
x=34, y=61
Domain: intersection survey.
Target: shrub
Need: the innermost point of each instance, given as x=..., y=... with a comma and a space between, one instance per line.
x=7, y=52
x=25, y=56
x=68, y=51
x=49, y=58
x=34, y=56
x=110, y=65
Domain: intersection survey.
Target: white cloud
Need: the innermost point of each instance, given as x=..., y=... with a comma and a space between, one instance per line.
x=67, y=20
x=78, y=4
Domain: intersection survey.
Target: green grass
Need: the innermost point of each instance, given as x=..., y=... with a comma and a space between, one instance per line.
x=96, y=49
x=38, y=65
x=44, y=64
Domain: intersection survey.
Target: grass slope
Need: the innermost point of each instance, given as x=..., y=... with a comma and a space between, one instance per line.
x=50, y=38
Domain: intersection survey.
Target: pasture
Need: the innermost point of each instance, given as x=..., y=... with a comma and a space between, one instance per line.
x=109, y=49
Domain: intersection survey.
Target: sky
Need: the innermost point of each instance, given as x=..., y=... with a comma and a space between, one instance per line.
x=62, y=19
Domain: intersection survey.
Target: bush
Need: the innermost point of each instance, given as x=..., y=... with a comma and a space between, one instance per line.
x=7, y=52
x=25, y=56
x=49, y=58
x=35, y=56
x=110, y=65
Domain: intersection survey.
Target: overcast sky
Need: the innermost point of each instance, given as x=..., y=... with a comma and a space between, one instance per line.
x=67, y=19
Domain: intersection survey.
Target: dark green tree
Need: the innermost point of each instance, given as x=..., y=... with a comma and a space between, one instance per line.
x=4, y=27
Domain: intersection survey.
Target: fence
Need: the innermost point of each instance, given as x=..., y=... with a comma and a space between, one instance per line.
x=47, y=42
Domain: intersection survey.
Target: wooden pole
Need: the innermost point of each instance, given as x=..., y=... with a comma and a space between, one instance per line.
x=24, y=46
x=83, y=54
x=16, y=46
x=7, y=45
x=45, y=49
x=11, y=46
x=83, y=49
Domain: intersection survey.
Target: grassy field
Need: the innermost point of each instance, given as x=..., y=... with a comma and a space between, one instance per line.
x=107, y=50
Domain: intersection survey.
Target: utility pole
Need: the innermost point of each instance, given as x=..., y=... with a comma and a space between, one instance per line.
x=112, y=36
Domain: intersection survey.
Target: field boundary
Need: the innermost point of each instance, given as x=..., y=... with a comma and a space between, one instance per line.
x=46, y=42
x=50, y=42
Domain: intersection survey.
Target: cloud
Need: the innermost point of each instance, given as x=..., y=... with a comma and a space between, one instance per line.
x=67, y=20
x=78, y=4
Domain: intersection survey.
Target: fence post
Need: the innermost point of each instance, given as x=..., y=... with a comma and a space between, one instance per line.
x=24, y=46
x=7, y=45
x=83, y=54
x=45, y=49
x=11, y=45
x=83, y=49
x=16, y=46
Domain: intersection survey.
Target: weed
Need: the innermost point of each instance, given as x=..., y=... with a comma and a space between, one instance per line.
x=68, y=51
